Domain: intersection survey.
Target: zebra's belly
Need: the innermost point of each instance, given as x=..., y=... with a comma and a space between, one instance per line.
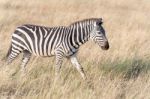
x=44, y=54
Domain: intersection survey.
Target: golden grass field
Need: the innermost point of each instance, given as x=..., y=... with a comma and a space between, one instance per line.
x=122, y=72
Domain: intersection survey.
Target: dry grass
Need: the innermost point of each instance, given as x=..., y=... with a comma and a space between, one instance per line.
x=120, y=73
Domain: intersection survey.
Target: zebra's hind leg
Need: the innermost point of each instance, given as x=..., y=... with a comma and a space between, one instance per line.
x=75, y=63
x=12, y=55
x=25, y=60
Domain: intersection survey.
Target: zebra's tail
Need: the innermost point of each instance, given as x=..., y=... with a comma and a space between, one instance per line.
x=9, y=51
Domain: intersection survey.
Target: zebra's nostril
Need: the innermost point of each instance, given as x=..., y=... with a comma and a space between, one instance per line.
x=106, y=46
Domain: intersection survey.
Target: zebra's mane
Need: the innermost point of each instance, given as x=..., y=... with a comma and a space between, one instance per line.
x=84, y=20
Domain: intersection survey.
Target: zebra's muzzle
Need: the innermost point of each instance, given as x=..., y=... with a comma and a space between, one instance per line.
x=105, y=46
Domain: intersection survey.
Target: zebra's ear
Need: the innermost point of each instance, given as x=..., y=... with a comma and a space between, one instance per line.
x=99, y=22
x=100, y=19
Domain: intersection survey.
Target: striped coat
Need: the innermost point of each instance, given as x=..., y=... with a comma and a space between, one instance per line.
x=62, y=41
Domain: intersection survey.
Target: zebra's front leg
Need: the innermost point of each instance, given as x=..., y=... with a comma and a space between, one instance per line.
x=75, y=63
x=59, y=60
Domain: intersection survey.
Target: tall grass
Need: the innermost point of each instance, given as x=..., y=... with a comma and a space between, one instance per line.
x=119, y=73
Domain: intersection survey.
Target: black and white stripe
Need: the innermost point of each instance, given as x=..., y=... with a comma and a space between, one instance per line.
x=63, y=41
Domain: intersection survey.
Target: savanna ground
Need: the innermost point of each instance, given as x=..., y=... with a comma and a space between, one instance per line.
x=123, y=72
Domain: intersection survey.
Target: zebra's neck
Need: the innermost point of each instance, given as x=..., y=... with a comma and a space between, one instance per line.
x=79, y=33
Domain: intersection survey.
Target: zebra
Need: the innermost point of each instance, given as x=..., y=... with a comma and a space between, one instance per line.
x=60, y=41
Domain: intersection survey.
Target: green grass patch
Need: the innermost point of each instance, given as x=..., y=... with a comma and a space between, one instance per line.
x=129, y=68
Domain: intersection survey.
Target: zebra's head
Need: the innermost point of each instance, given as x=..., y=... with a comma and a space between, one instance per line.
x=98, y=34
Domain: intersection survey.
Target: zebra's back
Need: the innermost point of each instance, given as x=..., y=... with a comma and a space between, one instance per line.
x=39, y=40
